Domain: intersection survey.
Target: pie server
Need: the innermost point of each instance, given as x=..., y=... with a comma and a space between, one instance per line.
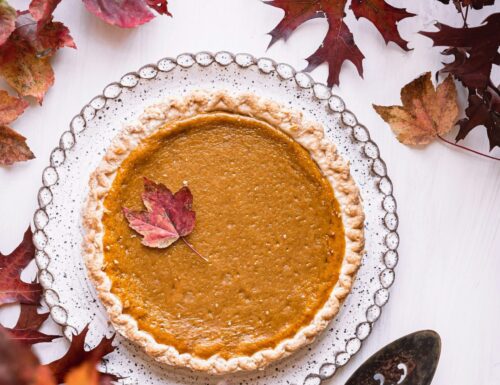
x=410, y=360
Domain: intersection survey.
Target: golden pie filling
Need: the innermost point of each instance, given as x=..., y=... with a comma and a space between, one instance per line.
x=266, y=219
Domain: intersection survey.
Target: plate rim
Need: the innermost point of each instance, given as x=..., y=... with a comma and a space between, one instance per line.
x=267, y=66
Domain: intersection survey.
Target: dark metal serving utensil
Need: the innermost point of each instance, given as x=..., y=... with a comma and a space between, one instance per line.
x=410, y=360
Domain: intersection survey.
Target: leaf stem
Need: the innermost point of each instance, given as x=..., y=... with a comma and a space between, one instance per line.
x=193, y=249
x=467, y=148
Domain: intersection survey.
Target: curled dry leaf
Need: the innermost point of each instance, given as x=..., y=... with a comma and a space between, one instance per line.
x=12, y=289
x=338, y=44
x=426, y=112
x=126, y=13
x=13, y=147
x=10, y=107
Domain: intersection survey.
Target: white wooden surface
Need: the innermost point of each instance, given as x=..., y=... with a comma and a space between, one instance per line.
x=448, y=278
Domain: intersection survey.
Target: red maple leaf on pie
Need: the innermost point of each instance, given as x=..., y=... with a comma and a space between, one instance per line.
x=338, y=44
x=168, y=217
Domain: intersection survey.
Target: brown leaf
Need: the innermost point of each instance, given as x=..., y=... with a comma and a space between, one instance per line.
x=7, y=21
x=12, y=289
x=10, y=107
x=27, y=73
x=13, y=147
x=426, y=112
x=77, y=355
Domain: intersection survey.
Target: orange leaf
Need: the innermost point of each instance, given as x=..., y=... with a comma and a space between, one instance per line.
x=27, y=73
x=426, y=112
x=84, y=374
x=10, y=107
x=13, y=147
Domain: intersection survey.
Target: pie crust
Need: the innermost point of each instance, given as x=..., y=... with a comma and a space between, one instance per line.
x=309, y=134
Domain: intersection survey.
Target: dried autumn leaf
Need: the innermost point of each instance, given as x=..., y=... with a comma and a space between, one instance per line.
x=483, y=109
x=24, y=71
x=42, y=10
x=76, y=355
x=155, y=226
x=475, y=50
x=338, y=44
x=10, y=107
x=26, y=329
x=13, y=147
x=7, y=21
x=126, y=13
x=29, y=318
x=24, y=57
x=84, y=374
x=168, y=217
x=160, y=6
x=476, y=4
x=384, y=17
x=12, y=289
x=178, y=206
x=426, y=112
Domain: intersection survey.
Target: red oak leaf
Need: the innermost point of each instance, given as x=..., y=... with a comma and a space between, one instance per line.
x=475, y=50
x=168, y=217
x=483, y=109
x=29, y=318
x=383, y=16
x=476, y=4
x=76, y=355
x=296, y=13
x=10, y=107
x=337, y=47
x=13, y=147
x=126, y=13
x=12, y=289
x=7, y=21
x=338, y=44
x=29, y=336
x=26, y=329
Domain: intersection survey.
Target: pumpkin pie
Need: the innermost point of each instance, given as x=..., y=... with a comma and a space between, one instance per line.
x=278, y=218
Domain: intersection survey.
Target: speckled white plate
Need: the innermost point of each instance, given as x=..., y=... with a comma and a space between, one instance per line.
x=58, y=236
